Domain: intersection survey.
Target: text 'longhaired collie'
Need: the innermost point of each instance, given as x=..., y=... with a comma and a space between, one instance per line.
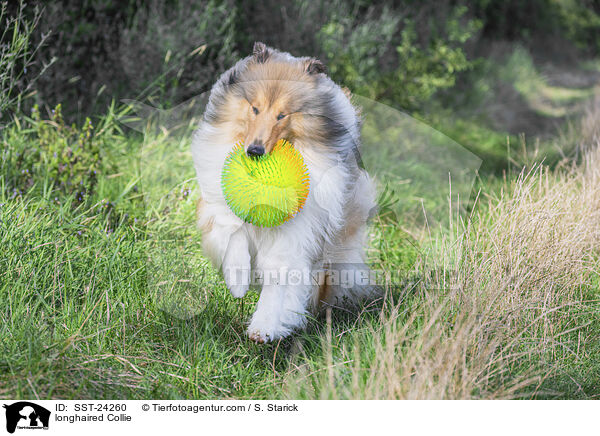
x=317, y=257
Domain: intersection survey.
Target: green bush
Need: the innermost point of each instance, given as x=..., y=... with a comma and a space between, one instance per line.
x=396, y=60
x=51, y=155
x=581, y=23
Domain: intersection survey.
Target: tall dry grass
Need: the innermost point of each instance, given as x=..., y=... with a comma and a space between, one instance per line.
x=498, y=305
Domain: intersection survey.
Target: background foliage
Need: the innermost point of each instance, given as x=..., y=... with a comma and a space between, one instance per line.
x=400, y=52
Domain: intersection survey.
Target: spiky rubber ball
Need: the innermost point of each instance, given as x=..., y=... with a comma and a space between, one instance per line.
x=267, y=190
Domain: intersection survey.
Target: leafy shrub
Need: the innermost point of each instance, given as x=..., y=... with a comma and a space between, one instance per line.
x=50, y=152
x=355, y=51
x=423, y=70
x=581, y=23
x=397, y=59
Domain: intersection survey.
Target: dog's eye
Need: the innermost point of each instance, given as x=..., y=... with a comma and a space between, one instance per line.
x=280, y=117
x=255, y=110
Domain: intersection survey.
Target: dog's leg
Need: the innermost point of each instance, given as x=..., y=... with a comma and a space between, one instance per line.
x=227, y=247
x=236, y=264
x=284, y=299
x=349, y=279
x=225, y=242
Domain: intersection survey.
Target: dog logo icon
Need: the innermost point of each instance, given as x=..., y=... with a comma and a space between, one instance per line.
x=26, y=415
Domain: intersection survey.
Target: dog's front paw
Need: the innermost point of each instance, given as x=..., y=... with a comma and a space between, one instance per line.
x=237, y=280
x=263, y=331
x=239, y=290
x=236, y=265
x=238, y=287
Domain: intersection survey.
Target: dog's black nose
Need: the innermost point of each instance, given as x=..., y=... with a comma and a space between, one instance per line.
x=255, y=150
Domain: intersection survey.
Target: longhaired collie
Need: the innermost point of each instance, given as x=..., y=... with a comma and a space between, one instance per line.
x=316, y=258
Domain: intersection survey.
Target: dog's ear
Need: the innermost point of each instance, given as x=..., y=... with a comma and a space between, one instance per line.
x=315, y=66
x=260, y=52
x=233, y=78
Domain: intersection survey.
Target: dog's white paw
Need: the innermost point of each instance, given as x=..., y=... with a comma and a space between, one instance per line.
x=236, y=265
x=263, y=331
x=237, y=285
x=237, y=280
x=238, y=291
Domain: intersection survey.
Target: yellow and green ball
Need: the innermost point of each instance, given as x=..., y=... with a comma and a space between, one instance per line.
x=267, y=190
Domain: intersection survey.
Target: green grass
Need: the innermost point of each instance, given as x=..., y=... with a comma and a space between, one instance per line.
x=82, y=318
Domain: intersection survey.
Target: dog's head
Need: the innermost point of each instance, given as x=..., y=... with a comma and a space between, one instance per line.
x=271, y=96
